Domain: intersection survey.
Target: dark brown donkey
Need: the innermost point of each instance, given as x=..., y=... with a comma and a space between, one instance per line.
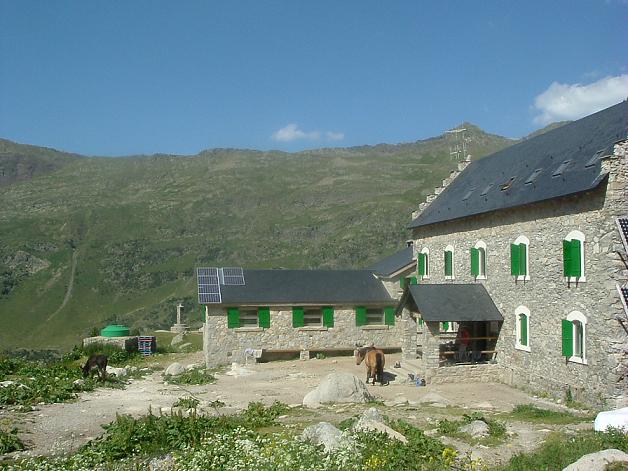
x=374, y=360
x=96, y=361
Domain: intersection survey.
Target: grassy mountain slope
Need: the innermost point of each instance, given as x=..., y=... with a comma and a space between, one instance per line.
x=98, y=239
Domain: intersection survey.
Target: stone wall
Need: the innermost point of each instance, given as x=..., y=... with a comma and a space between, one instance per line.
x=223, y=345
x=481, y=373
x=604, y=377
x=123, y=343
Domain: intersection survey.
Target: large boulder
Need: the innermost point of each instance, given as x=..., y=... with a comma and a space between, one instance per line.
x=598, y=461
x=338, y=387
x=175, y=369
x=324, y=433
x=117, y=372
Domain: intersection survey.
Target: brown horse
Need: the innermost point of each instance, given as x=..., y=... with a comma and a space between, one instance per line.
x=374, y=360
x=96, y=361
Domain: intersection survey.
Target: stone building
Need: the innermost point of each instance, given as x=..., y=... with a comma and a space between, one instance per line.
x=271, y=312
x=535, y=232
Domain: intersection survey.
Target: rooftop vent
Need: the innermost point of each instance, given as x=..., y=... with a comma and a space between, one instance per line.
x=594, y=160
x=468, y=194
x=487, y=189
x=561, y=168
x=507, y=185
x=533, y=176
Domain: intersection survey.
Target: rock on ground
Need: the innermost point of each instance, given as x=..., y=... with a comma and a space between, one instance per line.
x=433, y=397
x=338, y=387
x=118, y=372
x=324, y=433
x=372, y=420
x=477, y=429
x=177, y=339
x=175, y=369
x=598, y=461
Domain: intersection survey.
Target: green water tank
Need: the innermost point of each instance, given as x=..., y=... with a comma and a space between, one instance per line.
x=115, y=331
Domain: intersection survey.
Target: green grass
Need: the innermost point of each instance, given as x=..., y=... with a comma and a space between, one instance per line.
x=195, y=376
x=496, y=429
x=531, y=413
x=560, y=450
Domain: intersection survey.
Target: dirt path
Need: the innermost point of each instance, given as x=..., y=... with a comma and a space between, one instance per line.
x=68, y=293
x=65, y=427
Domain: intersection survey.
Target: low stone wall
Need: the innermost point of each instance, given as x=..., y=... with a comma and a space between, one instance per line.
x=123, y=343
x=480, y=373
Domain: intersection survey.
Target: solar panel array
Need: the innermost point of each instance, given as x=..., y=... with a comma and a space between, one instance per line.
x=210, y=280
x=622, y=223
x=624, y=294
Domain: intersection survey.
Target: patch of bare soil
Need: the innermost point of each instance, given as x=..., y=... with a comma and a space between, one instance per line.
x=61, y=428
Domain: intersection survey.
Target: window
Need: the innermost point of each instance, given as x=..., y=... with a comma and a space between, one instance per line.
x=313, y=317
x=423, y=265
x=374, y=316
x=574, y=332
x=449, y=262
x=519, y=259
x=522, y=328
x=478, y=261
x=259, y=317
x=448, y=326
x=573, y=257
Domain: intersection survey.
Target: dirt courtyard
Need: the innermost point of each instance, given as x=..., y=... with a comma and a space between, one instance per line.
x=60, y=428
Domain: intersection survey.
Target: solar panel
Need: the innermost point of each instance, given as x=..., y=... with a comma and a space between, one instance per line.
x=208, y=286
x=623, y=293
x=622, y=224
x=232, y=276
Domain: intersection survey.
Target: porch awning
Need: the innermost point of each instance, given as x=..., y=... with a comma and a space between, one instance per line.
x=453, y=302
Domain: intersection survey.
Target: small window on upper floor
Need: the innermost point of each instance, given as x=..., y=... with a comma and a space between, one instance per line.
x=478, y=261
x=519, y=259
x=573, y=257
x=449, y=262
x=574, y=334
x=423, y=263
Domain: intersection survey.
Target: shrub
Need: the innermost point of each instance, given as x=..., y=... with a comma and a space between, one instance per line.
x=531, y=413
x=187, y=403
x=9, y=441
x=195, y=376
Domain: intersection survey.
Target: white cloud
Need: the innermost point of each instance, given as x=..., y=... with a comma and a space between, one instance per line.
x=292, y=132
x=567, y=102
x=335, y=136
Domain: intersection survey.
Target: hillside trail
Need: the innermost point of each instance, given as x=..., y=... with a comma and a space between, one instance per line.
x=68, y=293
x=62, y=428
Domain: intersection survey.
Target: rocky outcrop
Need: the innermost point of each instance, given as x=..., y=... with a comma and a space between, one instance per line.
x=338, y=387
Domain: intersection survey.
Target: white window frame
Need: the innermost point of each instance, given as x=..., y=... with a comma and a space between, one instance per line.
x=452, y=327
x=522, y=310
x=577, y=235
x=524, y=240
x=482, y=260
x=450, y=248
x=425, y=251
x=581, y=318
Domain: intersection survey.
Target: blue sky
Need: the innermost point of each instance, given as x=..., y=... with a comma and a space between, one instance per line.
x=127, y=77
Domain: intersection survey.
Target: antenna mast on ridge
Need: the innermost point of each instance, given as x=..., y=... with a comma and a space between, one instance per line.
x=458, y=145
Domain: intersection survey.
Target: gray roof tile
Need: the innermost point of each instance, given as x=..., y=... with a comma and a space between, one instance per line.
x=393, y=263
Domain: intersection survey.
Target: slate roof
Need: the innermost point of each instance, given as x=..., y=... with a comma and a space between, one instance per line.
x=453, y=302
x=530, y=171
x=395, y=262
x=303, y=287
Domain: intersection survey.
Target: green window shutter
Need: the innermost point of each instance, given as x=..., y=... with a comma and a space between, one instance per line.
x=233, y=317
x=445, y=325
x=567, y=327
x=297, y=317
x=360, y=315
x=448, y=263
x=413, y=280
x=389, y=316
x=328, y=316
x=421, y=321
x=421, y=264
x=523, y=259
x=263, y=317
x=567, y=258
x=402, y=282
x=576, y=254
x=475, y=262
x=514, y=260
x=523, y=329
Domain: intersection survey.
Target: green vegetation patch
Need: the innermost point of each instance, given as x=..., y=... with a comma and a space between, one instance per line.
x=195, y=376
x=531, y=413
x=560, y=450
x=496, y=429
x=9, y=441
